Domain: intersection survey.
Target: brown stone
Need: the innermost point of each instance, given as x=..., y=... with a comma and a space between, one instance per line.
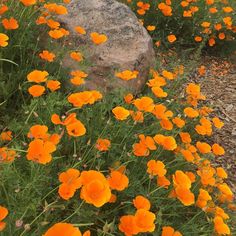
x=129, y=46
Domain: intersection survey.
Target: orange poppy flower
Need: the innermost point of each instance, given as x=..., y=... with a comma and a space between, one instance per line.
x=41, y=20
x=47, y=56
x=220, y=212
x=227, y=9
x=145, y=144
x=180, y=123
x=40, y=151
x=62, y=229
x=127, y=75
x=37, y=76
x=144, y=220
x=53, y=85
x=65, y=32
x=165, y=9
x=171, y=38
x=221, y=173
x=71, y=118
x=73, y=126
x=54, y=138
x=203, y=147
x=28, y=2
x=151, y=27
x=169, y=231
x=77, y=81
x=161, y=112
x=98, y=38
x=128, y=225
x=213, y=10
x=218, y=26
x=76, y=129
x=78, y=78
x=167, y=142
x=128, y=98
x=53, y=24
x=118, y=181
x=140, y=149
x=188, y=13
x=3, y=9
x=198, y=38
x=137, y=116
x=203, y=198
x=191, y=176
x=220, y=227
x=3, y=40
x=168, y=75
x=144, y=104
x=190, y=112
x=185, y=137
x=157, y=81
x=3, y=215
x=70, y=183
x=158, y=43
x=55, y=8
x=206, y=24
x=226, y=193
x=80, y=30
x=228, y=21
x=159, y=92
x=217, y=122
x=10, y=24
x=120, y=113
x=211, y=42
x=83, y=98
x=207, y=176
x=38, y=132
x=156, y=168
x=166, y=124
x=184, y=3
x=218, y=150
x=163, y=182
x=141, y=202
x=6, y=136
x=36, y=90
x=194, y=9
x=185, y=196
x=143, y=7
x=181, y=179
x=202, y=70
x=194, y=91
x=56, y=33
x=188, y=155
x=95, y=188
x=6, y=155
x=103, y=144
x=77, y=56
x=205, y=128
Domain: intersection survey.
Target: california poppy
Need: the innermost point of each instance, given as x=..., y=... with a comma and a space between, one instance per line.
x=62, y=229
x=120, y=113
x=3, y=40
x=98, y=38
x=10, y=24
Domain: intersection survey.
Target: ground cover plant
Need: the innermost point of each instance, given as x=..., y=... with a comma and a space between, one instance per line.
x=190, y=23
x=77, y=162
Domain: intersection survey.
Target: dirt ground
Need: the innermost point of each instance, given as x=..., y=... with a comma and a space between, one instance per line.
x=219, y=86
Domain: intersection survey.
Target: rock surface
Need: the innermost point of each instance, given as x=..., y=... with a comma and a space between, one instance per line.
x=129, y=46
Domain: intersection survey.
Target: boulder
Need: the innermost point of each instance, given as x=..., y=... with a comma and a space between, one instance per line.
x=129, y=46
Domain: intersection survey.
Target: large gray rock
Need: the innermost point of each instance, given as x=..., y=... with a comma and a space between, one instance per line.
x=129, y=46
